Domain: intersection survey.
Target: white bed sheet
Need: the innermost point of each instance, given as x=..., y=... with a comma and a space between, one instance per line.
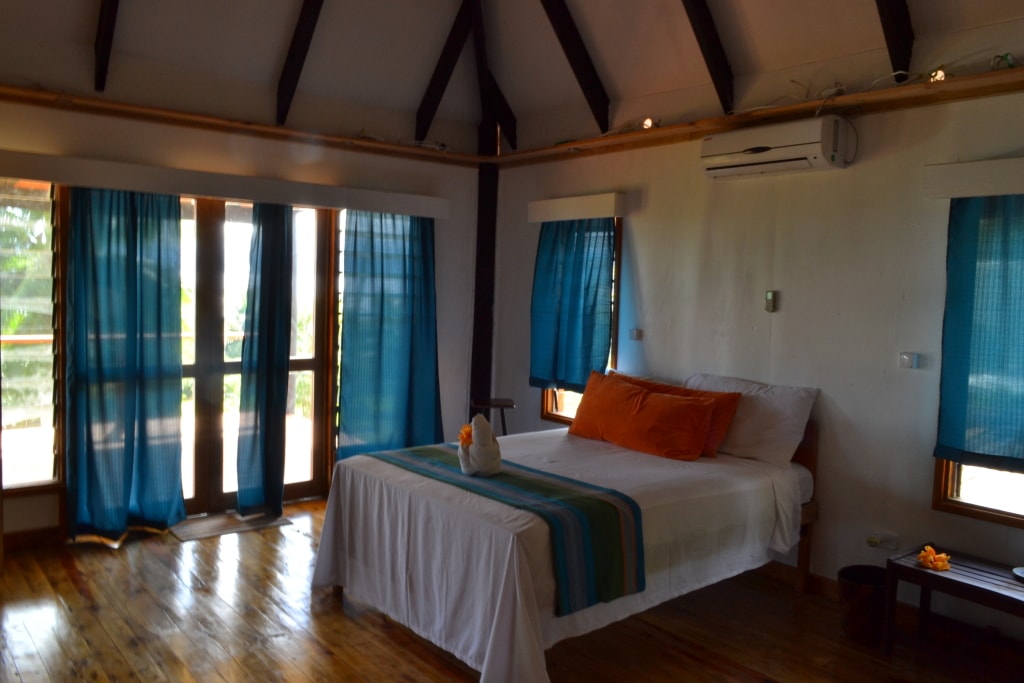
x=474, y=576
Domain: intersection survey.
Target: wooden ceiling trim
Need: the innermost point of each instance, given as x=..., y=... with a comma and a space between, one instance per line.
x=445, y=67
x=579, y=59
x=710, y=43
x=899, y=35
x=302, y=38
x=104, y=42
x=952, y=89
x=167, y=117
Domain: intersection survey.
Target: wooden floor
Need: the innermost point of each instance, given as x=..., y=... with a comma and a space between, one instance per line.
x=163, y=610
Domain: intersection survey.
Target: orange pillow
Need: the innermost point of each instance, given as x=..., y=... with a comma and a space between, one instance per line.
x=722, y=413
x=630, y=416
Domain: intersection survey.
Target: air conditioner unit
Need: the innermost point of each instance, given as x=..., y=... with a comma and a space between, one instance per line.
x=818, y=143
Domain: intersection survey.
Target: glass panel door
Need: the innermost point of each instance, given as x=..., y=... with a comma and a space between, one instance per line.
x=214, y=293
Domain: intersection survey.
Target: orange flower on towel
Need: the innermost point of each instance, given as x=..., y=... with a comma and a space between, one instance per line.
x=933, y=560
x=466, y=436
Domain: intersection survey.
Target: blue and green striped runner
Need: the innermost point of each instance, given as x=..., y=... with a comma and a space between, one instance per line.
x=596, y=532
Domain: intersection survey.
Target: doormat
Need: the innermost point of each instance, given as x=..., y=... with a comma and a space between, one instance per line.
x=218, y=525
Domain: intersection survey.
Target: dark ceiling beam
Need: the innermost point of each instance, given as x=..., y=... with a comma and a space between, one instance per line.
x=500, y=110
x=104, y=41
x=579, y=59
x=302, y=38
x=480, y=48
x=493, y=105
x=710, y=42
x=445, y=66
x=899, y=35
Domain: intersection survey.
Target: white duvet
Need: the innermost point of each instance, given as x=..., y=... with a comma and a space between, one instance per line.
x=474, y=576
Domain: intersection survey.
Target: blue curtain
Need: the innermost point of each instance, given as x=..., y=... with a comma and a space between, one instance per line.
x=266, y=348
x=390, y=394
x=571, y=311
x=981, y=401
x=124, y=363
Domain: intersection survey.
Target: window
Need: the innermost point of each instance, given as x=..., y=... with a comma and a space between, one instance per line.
x=26, y=332
x=561, y=394
x=215, y=236
x=980, y=453
x=560, y=405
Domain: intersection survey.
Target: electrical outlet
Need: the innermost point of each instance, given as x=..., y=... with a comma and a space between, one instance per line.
x=884, y=539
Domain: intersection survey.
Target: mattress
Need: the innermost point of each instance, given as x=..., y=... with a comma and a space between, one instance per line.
x=474, y=576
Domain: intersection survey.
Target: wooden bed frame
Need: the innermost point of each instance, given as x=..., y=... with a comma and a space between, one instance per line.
x=807, y=455
x=522, y=650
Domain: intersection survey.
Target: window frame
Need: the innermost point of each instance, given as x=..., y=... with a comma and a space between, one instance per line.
x=60, y=217
x=946, y=480
x=548, y=401
x=944, y=498
x=320, y=364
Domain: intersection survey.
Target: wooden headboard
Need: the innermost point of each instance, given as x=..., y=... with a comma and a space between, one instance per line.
x=807, y=452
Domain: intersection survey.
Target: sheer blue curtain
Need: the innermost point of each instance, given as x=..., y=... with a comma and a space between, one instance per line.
x=571, y=311
x=266, y=348
x=981, y=404
x=124, y=363
x=390, y=395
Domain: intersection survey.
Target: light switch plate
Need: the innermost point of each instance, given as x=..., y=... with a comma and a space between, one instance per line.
x=908, y=359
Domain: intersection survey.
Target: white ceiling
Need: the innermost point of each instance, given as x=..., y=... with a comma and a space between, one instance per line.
x=370, y=60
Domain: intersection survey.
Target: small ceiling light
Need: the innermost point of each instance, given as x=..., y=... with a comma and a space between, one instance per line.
x=937, y=75
x=634, y=126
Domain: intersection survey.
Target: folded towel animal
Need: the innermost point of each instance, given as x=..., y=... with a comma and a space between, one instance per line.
x=482, y=457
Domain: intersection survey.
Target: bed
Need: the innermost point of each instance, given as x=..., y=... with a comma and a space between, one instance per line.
x=474, y=575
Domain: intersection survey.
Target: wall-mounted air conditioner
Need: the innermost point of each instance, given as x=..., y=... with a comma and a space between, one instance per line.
x=818, y=143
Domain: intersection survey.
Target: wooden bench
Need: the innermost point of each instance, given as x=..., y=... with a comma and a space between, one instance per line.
x=971, y=578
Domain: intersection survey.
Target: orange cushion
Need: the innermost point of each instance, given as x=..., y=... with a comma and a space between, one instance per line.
x=722, y=413
x=632, y=417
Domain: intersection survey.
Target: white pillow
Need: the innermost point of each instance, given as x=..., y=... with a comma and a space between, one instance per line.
x=770, y=418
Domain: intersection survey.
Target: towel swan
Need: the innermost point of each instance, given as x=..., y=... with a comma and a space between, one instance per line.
x=481, y=458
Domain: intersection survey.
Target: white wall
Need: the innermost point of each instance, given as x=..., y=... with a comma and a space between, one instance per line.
x=183, y=160
x=858, y=257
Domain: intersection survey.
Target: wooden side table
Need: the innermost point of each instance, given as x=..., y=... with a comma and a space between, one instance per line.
x=500, y=404
x=971, y=578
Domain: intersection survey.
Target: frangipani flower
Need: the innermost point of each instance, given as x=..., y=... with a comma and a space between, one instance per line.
x=466, y=436
x=933, y=560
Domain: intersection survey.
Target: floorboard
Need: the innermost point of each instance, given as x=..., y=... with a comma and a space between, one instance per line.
x=160, y=609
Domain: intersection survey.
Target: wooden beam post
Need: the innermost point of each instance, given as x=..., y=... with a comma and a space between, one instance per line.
x=453, y=44
x=302, y=37
x=104, y=42
x=711, y=47
x=482, y=353
x=579, y=59
x=899, y=35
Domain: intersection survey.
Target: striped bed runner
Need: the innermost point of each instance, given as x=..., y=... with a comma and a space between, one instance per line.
x=596, y=532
